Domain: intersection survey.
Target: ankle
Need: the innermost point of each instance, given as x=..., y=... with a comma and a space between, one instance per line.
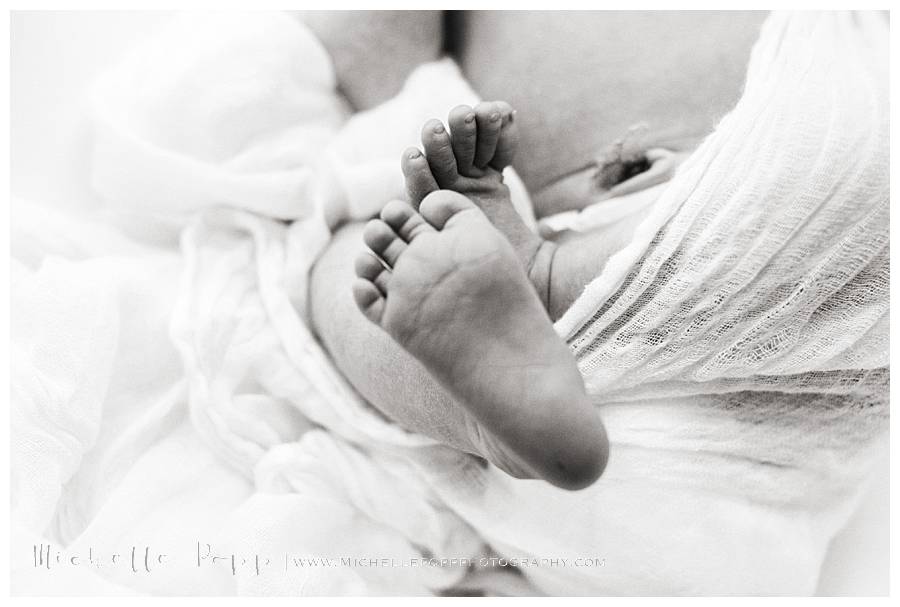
x=539, y=269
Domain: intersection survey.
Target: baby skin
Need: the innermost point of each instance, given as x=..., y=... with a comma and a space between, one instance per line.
x=454, y=277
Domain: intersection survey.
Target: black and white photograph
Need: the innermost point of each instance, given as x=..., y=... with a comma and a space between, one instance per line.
x=318, y=302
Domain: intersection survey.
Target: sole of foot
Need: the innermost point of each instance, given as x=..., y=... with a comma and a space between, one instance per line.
x=450, y=289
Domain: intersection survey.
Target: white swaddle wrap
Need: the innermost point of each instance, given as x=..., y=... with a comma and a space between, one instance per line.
x=737, y=346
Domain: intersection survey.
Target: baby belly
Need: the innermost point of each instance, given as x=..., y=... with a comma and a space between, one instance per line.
x=581, y=81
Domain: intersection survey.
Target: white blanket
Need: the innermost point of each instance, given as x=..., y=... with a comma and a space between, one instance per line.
x=737, y=346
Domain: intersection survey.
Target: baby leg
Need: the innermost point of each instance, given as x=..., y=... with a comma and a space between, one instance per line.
x=374, y=51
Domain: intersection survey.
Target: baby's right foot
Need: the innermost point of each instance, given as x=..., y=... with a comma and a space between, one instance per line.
x=469, y=160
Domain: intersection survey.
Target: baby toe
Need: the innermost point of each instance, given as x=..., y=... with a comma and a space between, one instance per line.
x=419, y=180
x=367, y=266
x=369, y=299
x=439, y=153
x=404, y=220
x=489, y=121
x=508, y=140
x=463, y=136
x=370, y=268
x=383, y=241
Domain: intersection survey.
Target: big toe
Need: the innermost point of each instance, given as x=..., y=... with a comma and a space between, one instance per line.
x=440, y=207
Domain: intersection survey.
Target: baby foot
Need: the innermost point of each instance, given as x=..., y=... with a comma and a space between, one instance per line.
x=449, y=288
x=469, y=160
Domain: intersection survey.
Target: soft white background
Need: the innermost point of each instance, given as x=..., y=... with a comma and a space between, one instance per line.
x=55, y=56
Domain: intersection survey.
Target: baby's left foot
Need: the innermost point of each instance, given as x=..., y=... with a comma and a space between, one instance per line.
x=469, y=159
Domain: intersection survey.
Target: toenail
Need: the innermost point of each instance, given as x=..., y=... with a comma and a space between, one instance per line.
x=495, y=116
x=438, y=129
x=512, y=115
x=414, y=154
x=470, y=118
